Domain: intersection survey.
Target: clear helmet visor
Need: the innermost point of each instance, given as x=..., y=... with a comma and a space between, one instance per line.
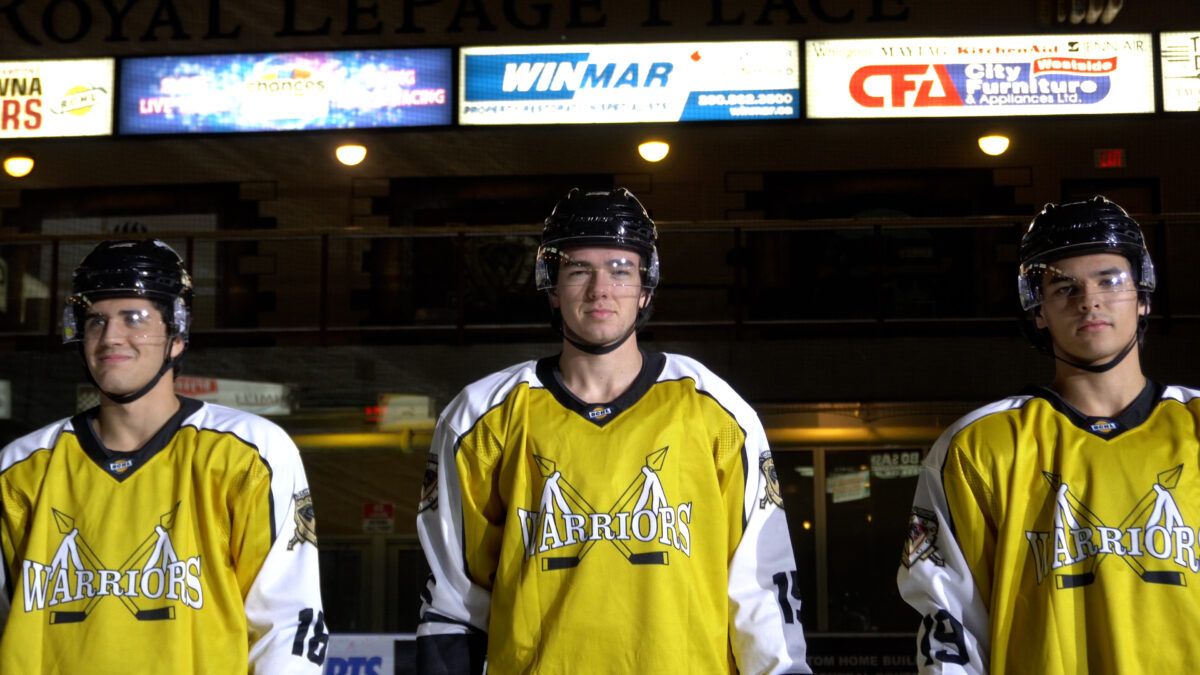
x=82, y=322
x=1042, y=284
x=556, y=267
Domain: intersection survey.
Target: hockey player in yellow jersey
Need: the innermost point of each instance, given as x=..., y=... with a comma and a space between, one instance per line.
x=154, y=533
x=606, y=509
x=1055, y=531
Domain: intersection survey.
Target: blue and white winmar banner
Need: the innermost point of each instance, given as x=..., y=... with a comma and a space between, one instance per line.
x=599, y=84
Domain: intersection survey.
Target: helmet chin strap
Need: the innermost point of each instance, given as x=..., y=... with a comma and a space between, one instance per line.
x=1138, y=335
x=123, y=399
x=1102, y=367
x=582, y=346
x=643, y=316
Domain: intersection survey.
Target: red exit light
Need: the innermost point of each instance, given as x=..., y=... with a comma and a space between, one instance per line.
x=1110, y=158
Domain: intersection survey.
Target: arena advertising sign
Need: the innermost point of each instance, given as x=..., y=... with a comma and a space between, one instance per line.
x=260, y=398
x=980, y=76
x=285, y=91
x=1180, y=54
x=664, y=82
x=43, y=99
x=370, y=654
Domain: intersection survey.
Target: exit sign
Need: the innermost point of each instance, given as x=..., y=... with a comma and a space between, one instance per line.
x=1110, y=158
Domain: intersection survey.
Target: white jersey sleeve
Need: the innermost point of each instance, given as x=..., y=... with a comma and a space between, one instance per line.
x=284, y=612
x=934, y=576
x=764, y=596
x=18, y=451
x=455, y=609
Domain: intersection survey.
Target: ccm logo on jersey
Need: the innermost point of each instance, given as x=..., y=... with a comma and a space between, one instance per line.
x=641, y=515
x=1104, y=426
x=599, y=412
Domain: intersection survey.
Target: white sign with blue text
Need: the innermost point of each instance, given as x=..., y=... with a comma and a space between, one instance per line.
x=598, y=84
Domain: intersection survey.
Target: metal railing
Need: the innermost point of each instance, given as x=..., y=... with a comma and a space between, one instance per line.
x=478, y=279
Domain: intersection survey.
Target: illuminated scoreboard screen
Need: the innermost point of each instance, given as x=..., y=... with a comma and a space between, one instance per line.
x=285, y=91
x=980, y=76
x=597, y=84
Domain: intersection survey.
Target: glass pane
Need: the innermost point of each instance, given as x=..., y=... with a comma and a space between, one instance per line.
x=1182, y=287
x=868, y=499
x=405, y=583
x=795, y=470
x=698, y=277
x=25, y=282
x=498, y=285
x=811, y=274
x=948, y=272
x=343, y=588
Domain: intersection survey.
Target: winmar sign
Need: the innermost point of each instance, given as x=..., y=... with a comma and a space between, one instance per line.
x=642, y=513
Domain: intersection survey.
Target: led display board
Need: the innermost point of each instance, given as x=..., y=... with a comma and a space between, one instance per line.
x=42, y=99
x=1014, y=75
x=665, y=82
x=285, y=91
x=1180, y=53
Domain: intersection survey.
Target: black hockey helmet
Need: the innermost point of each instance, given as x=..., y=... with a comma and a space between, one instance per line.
x=1060, y=231
x=1080, y=228
x=613, y=218
x=146, y=268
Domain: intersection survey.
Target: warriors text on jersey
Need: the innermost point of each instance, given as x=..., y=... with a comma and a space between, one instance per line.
x=1045, y=541
x=195, y=554
x=642, y=535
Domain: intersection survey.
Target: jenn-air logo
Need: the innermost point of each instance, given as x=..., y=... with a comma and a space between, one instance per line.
x=1152, y=539
x=150, y=582
x=566, y=526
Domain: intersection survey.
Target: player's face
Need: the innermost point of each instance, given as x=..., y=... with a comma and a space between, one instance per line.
x=1091, y=306
x=124, y=343
x=599, y=293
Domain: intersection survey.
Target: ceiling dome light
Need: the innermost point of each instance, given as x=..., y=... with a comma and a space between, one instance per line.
x=351, y=154
x=18, y=164
x=994, y=144
x=654, y=151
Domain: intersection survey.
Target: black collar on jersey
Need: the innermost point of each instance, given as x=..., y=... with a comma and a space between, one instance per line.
x=1105, y=427
x=601, y=413
x=121, y=465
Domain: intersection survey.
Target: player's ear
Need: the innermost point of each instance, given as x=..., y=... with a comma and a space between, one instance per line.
x=176, y=347
x=552, y=294
x=1038, y=320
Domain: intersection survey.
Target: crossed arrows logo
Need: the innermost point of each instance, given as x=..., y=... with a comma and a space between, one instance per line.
x=576, y=503
x=75, y=550
x=1071, y=514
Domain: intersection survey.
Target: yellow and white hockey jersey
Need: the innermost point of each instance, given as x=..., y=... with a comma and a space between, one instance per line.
x=196, y=554
x=645, y=535
x=1043, y=541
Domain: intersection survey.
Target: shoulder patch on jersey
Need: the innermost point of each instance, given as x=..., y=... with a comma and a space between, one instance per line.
x=922, y=539
x=306, y=520
x=429, y=491
x=766, y=464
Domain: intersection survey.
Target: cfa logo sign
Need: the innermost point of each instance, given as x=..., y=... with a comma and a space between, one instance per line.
x=354, y=665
